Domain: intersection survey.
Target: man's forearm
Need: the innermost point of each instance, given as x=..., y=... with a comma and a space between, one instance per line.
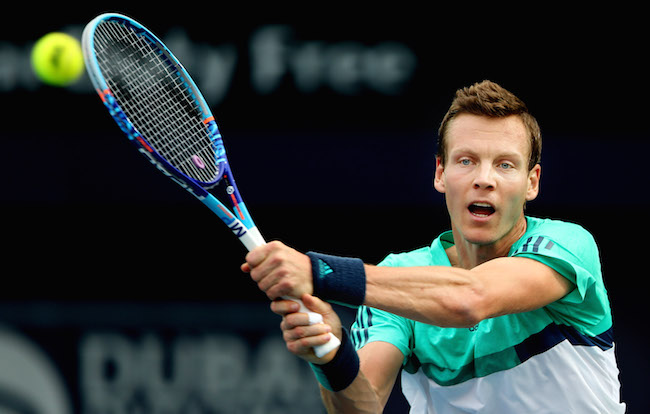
x=359, y=397
x=442, y=296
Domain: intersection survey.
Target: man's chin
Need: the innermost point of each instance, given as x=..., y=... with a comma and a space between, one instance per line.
x=481, y=240
x=480, y=235
x=489, y=232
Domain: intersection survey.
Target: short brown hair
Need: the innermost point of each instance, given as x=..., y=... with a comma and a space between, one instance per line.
x=489, y=99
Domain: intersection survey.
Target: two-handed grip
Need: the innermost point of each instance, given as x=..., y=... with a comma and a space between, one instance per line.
x=314, y=318
x=253, y=239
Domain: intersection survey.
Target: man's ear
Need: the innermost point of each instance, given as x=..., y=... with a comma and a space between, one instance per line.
x=534, y=177
x=438, y=179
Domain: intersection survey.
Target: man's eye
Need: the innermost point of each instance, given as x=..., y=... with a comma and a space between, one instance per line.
x=505, y=165
x=465, y=161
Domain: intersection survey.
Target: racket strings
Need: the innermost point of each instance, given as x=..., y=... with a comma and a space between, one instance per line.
x=140, y=84
x=156, y=99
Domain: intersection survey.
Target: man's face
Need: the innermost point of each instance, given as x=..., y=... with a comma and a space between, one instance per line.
x=486, y=179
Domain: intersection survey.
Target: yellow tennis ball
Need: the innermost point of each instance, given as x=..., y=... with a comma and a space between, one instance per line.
x=57, y=59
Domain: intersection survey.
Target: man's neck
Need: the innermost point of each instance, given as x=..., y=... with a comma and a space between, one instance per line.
x=467, y=255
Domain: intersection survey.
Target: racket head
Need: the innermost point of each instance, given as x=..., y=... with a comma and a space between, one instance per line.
x=154, y=101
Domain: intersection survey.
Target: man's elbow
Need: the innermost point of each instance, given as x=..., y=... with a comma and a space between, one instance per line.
x=468, y=306
x=463, y=314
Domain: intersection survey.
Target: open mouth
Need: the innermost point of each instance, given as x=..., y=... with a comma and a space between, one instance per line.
x=481, y=209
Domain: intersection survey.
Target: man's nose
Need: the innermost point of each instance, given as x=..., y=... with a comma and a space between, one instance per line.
x=484, y=178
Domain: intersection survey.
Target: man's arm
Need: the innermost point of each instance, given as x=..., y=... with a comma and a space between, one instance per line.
x=437, y=295
x=379, y=362
x=447, y=296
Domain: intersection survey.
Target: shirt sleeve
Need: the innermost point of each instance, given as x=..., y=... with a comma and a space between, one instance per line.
x=373, y=325
x=572, y=252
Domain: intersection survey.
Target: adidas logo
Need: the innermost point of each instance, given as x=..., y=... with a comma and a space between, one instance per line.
x=323, y=268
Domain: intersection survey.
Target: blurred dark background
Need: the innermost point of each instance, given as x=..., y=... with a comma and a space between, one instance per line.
x=124, y=294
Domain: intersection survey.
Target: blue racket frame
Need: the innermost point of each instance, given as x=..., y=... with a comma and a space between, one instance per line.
x=239, y=220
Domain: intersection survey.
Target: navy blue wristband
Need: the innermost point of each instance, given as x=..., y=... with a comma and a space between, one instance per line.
x=338, y=279
x=341, y=371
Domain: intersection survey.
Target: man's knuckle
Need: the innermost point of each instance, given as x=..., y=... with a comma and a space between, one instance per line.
x=304, y=342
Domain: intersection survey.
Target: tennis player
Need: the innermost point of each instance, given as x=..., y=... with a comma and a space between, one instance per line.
x=504, y=313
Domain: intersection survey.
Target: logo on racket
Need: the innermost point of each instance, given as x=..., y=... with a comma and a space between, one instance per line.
x=237, y=227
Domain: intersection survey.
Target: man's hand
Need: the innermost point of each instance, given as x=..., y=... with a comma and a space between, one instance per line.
x=299, y=335
x=279, y=270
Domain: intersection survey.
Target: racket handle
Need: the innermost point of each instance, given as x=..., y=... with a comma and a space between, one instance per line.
x=253, y=239
x=314, y=318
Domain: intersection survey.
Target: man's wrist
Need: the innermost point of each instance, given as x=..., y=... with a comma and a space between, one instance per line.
x=338, y=279
x=342, y=370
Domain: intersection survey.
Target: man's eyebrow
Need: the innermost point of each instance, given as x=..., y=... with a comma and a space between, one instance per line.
x=471, y=151
x=463, y=150
x=510, y=154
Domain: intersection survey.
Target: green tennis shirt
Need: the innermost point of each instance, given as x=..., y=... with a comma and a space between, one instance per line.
x=539, y=361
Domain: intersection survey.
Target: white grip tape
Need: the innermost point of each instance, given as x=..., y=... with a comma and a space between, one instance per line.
x=252, y=239
x=314, y=318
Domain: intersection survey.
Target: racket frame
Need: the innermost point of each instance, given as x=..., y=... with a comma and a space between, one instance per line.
x=238, y=219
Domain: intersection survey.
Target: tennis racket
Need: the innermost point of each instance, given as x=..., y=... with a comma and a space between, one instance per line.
x=161, y=110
